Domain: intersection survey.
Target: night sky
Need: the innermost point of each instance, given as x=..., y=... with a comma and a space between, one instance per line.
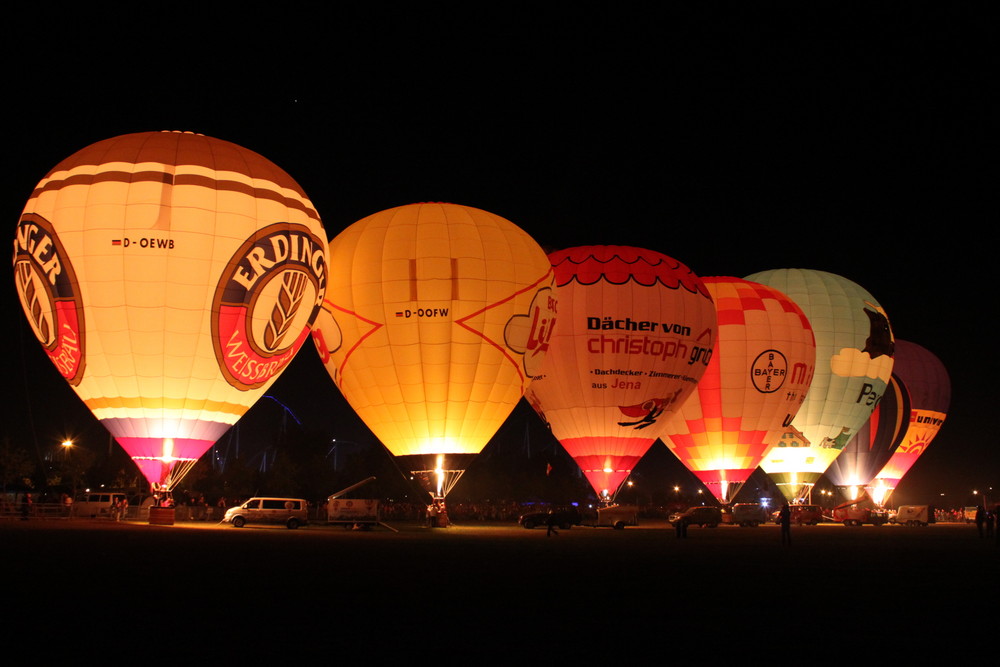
x=734, y=141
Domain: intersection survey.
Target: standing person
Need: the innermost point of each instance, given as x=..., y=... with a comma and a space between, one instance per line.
x=980, y=518
x=550, y=523
x=122, y=509
x=785, y=519
x=25, y=506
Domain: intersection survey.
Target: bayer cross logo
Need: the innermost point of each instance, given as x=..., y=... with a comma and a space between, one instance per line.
x=769, y=371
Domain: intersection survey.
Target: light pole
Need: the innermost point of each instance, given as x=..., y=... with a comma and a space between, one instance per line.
x=67, y=447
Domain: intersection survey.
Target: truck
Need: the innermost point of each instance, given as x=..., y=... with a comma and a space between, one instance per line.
x=914, y=515
x=853, y=513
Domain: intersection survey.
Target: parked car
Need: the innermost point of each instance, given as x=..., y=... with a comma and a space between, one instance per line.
x=97, y=504
x=564, y=518
x=699, y=515
x=292, y=512
x=802, y=515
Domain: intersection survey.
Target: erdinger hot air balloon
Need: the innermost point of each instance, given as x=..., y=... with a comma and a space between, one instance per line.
x=758, y=377
x=854, y=348
x=635, y=334
x=874, y=443
x=929, y=389
x=170, y=277
x=436, y=318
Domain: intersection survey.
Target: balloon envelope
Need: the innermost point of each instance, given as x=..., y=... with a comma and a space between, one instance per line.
x=635, y=333
x=874, y=443
x=929, y=388
x=854, y=348
x=436, y=318
x=170, y=277
x=758, y=377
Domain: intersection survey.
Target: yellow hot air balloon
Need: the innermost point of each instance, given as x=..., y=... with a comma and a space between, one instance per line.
x=436, y=318
x=170, y=277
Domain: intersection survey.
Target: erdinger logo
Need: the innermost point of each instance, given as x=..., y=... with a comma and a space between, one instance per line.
x=266, y=301
x=50, y=296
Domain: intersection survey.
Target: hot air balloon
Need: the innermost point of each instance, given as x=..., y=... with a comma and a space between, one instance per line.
x=635, y=334
x=854, y=347
x=758, y=377
x=929, y=389
x=874, y=443
x=436, y=318
x=170, y=277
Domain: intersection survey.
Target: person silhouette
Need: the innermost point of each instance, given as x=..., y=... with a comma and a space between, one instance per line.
x=550, y=522
x=785, y=520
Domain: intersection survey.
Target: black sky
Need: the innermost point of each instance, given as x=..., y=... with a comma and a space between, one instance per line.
x=733, y=139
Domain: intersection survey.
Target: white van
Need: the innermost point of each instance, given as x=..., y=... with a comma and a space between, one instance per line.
x=96, y=504
x=293, y=512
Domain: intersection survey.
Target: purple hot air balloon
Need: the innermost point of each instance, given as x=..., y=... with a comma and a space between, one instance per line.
x=929, y=386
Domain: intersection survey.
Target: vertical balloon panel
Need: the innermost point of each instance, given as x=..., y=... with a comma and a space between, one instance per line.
x=875, y=442
x=854, y=348
x=757, y=379
x=436, y=318
x=171, y=277
x=635, y=334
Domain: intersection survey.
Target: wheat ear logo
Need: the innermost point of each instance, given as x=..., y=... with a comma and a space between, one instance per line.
x=266, y=302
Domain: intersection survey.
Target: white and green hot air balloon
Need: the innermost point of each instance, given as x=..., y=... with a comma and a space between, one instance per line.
x=854, y=357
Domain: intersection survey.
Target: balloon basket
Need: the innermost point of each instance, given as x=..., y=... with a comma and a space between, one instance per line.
x=161, y=516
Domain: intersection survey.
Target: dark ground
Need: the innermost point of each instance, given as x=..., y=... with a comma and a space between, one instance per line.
x=490, y=595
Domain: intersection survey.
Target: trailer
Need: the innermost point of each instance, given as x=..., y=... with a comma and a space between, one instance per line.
x=617, y=516
x=747, y=515
x=914, y=515
x=354, y=513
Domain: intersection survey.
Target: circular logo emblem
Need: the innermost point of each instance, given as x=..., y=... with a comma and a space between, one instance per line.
x=769, y=371
x=49, y=294
x=266, y=301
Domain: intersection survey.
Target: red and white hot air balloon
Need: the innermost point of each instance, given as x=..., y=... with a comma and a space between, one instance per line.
x=634, y=336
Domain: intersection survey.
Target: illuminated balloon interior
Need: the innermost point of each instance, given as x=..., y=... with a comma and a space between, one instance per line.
x=436, y=319
x=170, y=277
